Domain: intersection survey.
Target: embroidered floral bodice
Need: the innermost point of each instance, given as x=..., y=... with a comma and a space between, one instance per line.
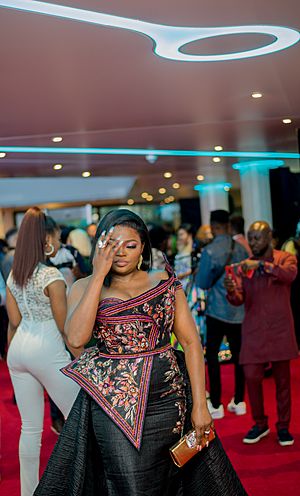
x=31, y=299
x=133, y=340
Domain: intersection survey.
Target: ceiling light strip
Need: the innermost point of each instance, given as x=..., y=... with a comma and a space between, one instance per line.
x=144, y=151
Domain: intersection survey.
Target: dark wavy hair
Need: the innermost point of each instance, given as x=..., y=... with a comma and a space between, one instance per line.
x=124, y=217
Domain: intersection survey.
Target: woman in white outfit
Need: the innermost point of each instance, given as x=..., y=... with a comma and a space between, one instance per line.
x=36, y=305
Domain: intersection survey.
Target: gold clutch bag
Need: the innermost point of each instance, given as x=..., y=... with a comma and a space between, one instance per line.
x=186, y=447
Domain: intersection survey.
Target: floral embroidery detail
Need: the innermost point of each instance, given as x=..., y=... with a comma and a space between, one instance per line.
x=126, y=395
x=177, y=386
x=178, y=429
x=173, y=375
x=117, y=382
x=127, y=337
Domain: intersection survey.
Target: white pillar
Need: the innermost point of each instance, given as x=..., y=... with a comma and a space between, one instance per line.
x=88, y=213
x=256, y=196
x=255, y=190
x=213, y=196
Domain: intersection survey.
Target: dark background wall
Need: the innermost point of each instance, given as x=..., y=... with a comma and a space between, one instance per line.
x=285, y=195
x=190, y=211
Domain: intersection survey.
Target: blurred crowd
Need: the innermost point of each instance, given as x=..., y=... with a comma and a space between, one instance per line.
x=182, y=247
x=201, y=258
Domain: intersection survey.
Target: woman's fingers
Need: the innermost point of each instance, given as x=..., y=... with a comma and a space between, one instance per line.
x=107, y=245
x=104, y=239
x=117, y=245
x=101, y=241
x=202, y=435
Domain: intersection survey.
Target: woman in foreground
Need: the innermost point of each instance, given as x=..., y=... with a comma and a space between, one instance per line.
x=134, y=404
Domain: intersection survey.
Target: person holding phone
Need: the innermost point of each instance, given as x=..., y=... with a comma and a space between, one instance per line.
x=263, y=285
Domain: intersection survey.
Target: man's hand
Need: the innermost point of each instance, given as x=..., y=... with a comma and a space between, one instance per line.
x=248, y=265
x=268, y=267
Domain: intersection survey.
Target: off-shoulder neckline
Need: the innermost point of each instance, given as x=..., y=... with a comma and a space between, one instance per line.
x=115, y=298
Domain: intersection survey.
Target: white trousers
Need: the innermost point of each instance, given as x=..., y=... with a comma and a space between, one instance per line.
x=35, y=357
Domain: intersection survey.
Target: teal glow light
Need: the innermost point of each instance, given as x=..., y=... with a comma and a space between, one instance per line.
x=258, y=164
x=168, y=40
x=145, y=151
x=204, y=188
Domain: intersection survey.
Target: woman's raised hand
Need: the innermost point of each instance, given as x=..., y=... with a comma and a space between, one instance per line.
x=105, y=251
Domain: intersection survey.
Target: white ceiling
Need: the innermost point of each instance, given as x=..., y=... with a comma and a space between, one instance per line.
x=104, y=87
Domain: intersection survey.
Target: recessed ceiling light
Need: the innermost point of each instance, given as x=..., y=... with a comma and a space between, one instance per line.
x=144, y=194
x=162, y=191
x=86, y=174
x=286, y=121
x=216, y=160
x=2, y=155
x=57, y=166
x=130, y=201
x=149, y=198
x=256, y=94
x=168, y=174
x=176, y=185
x=218, y=148
x=171, y=198
x=200, y=177
x=57, y=139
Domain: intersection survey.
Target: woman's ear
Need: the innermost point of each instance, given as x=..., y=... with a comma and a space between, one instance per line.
x=48, y=239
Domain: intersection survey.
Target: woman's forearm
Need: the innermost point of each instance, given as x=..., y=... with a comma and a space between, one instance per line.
x=195, y=366
x=75, y=352
x=80, y=323
x=184, y=274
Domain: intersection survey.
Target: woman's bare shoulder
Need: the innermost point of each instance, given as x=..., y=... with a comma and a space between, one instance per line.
x=159, y=275
x=79, y=287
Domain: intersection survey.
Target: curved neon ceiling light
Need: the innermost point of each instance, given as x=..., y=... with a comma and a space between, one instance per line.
x=168, y=40
x=145, y=151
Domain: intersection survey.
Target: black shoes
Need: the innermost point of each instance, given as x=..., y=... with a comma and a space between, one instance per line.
x=255, y=434
x=285, y=438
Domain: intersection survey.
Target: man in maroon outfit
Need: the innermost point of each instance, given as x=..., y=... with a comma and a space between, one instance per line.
x=263, y=285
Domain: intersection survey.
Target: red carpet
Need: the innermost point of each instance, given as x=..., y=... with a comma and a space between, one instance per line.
x=266, y=469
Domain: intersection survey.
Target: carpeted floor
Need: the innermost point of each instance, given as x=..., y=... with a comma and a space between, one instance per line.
x=266, y=469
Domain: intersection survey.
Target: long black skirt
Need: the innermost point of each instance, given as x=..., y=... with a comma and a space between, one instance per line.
x=94, y=458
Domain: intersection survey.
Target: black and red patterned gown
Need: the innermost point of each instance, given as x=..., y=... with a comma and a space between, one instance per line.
x=134, y=405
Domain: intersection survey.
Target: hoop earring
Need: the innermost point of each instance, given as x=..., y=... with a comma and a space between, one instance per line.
x=49, y=253
x=140, y=263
